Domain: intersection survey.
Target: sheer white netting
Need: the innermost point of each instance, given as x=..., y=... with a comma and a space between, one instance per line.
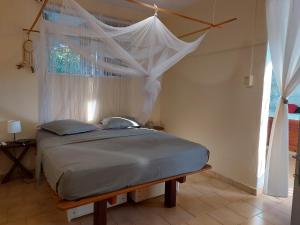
x=89, y=70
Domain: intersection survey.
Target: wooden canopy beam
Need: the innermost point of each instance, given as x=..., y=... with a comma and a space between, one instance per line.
x=156, y=9
x=37, y=17
x=207, y=28
x=170, y=12
x=28, y=30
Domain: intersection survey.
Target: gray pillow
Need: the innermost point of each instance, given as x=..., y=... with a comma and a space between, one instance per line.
x=67, y=127
x=118, y=123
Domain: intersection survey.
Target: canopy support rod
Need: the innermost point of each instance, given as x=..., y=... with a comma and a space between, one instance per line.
x=167, y=11
x=31, y=31
x=171, y=12
x=207, y=28
x=37, y=18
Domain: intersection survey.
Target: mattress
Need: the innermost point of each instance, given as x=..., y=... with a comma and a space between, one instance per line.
x=102, y=161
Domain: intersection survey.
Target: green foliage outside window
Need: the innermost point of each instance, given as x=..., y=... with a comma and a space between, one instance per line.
x=63, y=60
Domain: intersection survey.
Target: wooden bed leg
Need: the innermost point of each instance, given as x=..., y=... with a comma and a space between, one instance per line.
x=170, y=193
x=100, y=209
x=181, y=180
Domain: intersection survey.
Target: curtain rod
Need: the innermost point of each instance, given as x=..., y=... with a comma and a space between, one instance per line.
x=167, y=11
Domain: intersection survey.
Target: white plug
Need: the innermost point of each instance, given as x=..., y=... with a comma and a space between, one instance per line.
x=249, y=81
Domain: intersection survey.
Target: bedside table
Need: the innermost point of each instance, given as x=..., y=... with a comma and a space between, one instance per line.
x=159, y=128
x=19, y=145
x=156, y=127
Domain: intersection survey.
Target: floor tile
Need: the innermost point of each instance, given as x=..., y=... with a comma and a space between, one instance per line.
x=204, y=219
x=202, y=200
x=176, y=216
x=276, y=217
x=18, y=222
x=227, y=217
x=233, y=194
x=256, y=221
x=244, y=209
x=194, y=205
x=215, y=201
x=3, y=216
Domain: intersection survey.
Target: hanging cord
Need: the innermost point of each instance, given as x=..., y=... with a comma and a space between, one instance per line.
x=155, y=9
x=253, y=39
x=214, y=11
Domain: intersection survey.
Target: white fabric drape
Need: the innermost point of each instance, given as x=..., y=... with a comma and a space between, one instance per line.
x=134, y=57
x=284, y=41
x=90, y=99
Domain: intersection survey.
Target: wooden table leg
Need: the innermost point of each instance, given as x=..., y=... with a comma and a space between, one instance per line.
x=100, y=210
x=170, y=193
x=17, y=163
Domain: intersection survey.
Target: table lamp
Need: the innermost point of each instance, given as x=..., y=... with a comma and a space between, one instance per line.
x=14, y=127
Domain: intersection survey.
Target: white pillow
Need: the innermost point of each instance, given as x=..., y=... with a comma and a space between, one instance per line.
x=118, y=123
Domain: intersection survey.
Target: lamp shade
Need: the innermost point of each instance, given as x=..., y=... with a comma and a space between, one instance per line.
x=14, y=126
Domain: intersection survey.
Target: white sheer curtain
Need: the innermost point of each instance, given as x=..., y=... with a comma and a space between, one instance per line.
x=284, y=41
x=89, y=99
x=106, y=69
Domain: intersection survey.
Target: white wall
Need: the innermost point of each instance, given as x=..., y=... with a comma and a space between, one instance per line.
x=18, y=88
x=204, y=98
x=18, y=92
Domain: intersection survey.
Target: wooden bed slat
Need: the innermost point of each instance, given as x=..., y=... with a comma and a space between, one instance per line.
x=65, y=204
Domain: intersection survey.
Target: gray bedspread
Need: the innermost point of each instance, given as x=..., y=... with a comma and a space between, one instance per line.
x=81, y=165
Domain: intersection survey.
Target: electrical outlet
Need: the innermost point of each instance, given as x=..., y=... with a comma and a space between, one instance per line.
x=249, y=81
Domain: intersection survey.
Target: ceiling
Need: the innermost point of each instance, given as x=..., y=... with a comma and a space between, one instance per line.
x=170, y=4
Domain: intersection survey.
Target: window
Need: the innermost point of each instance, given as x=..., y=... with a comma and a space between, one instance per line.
x=62, y=60
x=294, y=98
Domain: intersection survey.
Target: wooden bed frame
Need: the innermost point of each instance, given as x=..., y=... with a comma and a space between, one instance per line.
x=100, y=201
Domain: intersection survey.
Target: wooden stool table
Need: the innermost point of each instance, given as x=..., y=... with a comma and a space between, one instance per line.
x=20, y=145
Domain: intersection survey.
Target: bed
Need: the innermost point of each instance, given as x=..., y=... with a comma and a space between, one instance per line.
x=96, y=166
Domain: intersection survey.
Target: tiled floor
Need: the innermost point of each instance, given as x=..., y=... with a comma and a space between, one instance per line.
x=203, y=200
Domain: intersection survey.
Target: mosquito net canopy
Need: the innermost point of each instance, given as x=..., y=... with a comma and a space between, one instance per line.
x=88, y=69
